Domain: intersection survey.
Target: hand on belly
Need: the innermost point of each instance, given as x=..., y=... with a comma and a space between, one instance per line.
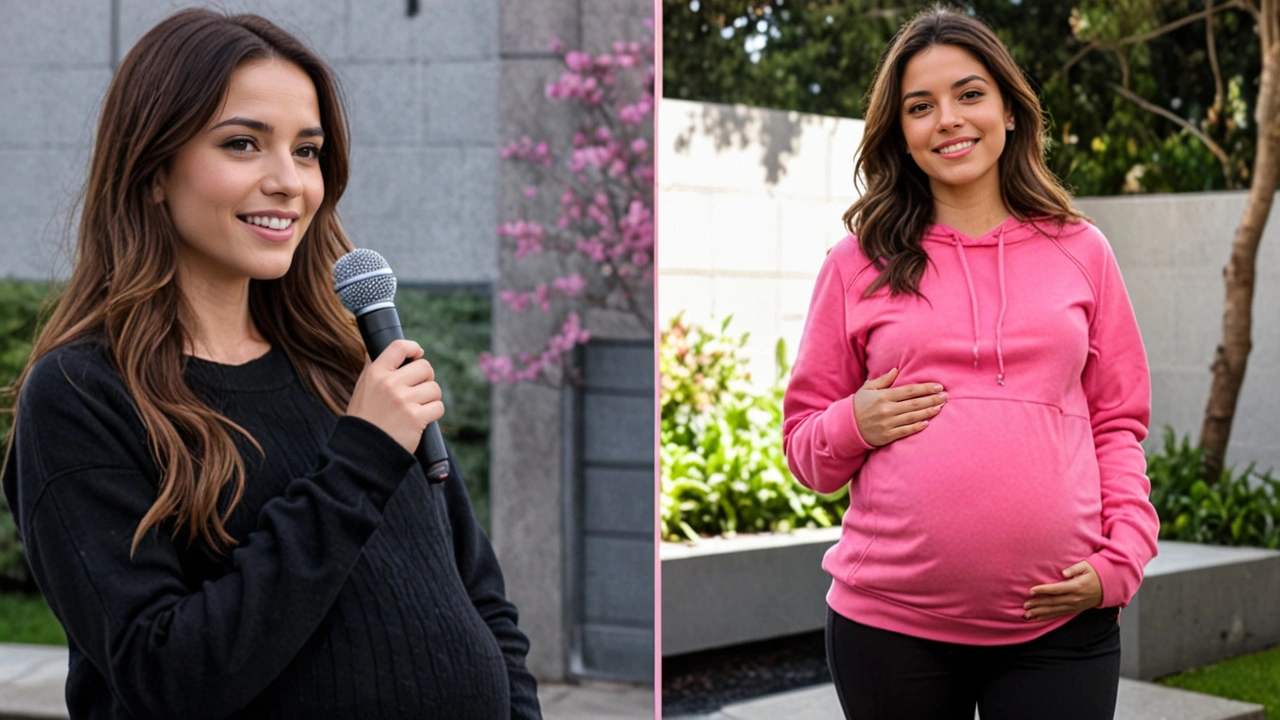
x=1080, y=591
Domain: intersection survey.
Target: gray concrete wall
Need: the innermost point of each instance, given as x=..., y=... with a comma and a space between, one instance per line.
x=529, y=476
x=1171, y=249
x=421, y=92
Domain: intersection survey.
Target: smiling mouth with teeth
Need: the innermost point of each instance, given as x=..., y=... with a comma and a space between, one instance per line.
x=272, y=223
x=957, y=147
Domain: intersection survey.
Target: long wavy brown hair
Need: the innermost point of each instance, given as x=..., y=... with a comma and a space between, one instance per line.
x=896, y=206
x=123, y=288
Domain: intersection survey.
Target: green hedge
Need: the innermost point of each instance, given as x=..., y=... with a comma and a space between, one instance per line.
x=453, y=327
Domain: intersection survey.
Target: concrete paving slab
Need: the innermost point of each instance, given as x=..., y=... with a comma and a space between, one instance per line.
x=592, y=700
x=33, y=677
x=1137, y=701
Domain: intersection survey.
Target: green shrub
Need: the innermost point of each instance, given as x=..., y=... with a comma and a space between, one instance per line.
x=1241, y=509
x=723, y=470
x=20, y=304
x=453, y=328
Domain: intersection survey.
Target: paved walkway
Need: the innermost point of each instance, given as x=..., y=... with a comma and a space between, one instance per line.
x=1137, y=701
x=32, y=679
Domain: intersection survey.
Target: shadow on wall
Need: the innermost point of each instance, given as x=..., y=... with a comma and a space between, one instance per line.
x=777, y=134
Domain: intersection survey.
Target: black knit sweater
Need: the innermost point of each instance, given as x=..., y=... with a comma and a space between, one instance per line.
x=356, y=590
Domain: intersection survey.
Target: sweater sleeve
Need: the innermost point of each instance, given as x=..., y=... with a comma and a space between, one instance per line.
x=167, y=647
x=1117, y=383
x=478, y=568
x=820, y=432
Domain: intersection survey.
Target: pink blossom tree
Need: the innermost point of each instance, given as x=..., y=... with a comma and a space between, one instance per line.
x=603, y=236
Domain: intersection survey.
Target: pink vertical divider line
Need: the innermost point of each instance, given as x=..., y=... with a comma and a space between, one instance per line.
x=657, y=373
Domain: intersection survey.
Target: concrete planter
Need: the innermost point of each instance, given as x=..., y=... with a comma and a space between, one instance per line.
x=1198, y=604
x=726, y=591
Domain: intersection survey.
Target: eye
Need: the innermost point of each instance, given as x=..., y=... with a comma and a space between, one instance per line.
x=310, y=152
x=971, y=94
x=240, y=144
x=917, y=108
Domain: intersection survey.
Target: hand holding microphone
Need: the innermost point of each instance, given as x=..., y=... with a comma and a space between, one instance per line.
x=398, y=392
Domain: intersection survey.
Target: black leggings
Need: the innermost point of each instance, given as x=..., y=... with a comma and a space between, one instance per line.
x=1071, y=673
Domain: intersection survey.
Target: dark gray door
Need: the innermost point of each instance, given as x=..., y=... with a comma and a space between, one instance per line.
x=610, y=511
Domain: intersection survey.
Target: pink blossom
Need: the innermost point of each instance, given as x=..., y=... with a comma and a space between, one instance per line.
x=639, y=145
x=530, y=191
x=593, y=250
x=570, y=285
x=542, y=297
x=517, y=301
x=577, y=61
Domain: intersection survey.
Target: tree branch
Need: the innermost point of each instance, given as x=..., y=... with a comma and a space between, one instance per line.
x=1124, y=67
x=1230, y=4
x=1214, y=148
x=1077, y=57
x=1219, y=98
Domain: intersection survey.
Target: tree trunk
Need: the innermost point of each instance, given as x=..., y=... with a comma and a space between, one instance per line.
x=1232, y=354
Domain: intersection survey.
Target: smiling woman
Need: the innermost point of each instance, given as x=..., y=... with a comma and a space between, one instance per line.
x=217, y=493
x=971, y=369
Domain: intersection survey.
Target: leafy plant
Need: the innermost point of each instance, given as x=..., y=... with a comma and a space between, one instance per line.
x=1240, y=509
x=723, y=469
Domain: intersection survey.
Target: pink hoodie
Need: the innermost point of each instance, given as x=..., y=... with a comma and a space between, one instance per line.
x=1033, y=464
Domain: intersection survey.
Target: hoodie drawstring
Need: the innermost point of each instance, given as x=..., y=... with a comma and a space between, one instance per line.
x=973, y=303
x=973, y=299
x=1004, y=305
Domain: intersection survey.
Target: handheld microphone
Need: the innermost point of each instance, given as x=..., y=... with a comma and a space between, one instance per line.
x=367, y=287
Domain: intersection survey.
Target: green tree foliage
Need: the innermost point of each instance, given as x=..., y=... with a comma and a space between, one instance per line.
x=819, y=56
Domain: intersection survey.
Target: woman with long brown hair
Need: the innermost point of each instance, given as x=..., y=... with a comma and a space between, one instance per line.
x=972, y=369
x=217, y=493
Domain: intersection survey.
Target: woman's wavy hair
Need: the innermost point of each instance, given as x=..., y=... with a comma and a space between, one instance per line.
x=896, y=206
x=123, y=288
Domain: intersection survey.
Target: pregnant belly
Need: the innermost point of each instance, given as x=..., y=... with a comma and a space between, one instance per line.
x=962, y=519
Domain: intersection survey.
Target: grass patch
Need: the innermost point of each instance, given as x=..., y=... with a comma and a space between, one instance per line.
x=27, y=619
x=1249, y=678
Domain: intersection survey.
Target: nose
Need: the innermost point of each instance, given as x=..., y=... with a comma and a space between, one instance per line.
x=948, y=117
x=282, y=176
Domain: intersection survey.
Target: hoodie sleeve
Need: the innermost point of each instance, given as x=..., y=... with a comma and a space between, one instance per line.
x=819, y=431
x=1117, y=383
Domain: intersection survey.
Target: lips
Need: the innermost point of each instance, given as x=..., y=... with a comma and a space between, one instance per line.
x=275, y=230
x=956, y=146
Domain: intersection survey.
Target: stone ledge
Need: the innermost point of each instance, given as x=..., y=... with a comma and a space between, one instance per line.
x=1200, y=604
x=723, y=592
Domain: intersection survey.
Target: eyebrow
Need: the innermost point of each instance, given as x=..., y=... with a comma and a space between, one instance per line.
x=266, y=128
x=954, y=85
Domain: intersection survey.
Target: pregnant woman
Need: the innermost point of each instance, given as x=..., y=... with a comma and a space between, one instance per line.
x=972, y=369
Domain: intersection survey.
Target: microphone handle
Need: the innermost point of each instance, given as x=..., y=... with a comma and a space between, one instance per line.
x=380, y=328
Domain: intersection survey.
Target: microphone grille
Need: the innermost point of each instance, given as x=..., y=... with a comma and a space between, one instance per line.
x=363, y=278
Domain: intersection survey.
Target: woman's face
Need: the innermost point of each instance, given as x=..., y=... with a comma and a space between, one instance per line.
x=243, y=191
x=954, y=119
